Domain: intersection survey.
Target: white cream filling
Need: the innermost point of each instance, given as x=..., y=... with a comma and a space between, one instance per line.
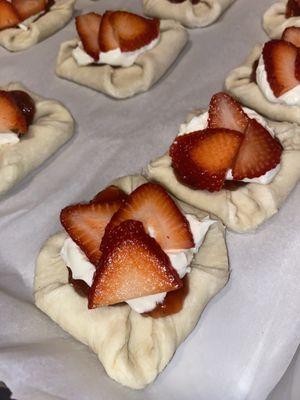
x=200, y=122
x=25, y=24
x=8, y=138
x=113, y=57
x=291, y=98
x=83, y=269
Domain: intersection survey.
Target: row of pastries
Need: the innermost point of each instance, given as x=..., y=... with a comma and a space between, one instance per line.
x=149, y=250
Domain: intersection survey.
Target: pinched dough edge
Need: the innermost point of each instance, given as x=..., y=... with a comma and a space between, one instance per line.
x=52, y=126
x=189, y=15
x=120, y=82
x=16, y=39
x=133, y=349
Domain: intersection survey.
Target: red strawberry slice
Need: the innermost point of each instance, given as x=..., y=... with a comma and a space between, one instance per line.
x=133, y=265
x=127, y=31
x=28, y=8
x=88, y=27
x=161, y=217
x=292, y=8
x=225, y=112
x=111, y=193
x=11, y=117
x=292, y=35
x=258, y=154
x=280, y=63
x=108, y=39
x=201, y=159
x=86, y=223
x=9, y=16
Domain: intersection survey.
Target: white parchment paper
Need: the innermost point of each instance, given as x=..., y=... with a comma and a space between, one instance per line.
x=247, y=335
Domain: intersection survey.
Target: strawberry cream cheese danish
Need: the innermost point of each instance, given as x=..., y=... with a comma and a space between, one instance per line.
x=131, y=262
x=23, y=23
x=232, y=162
x=120, y=53
x=31, y=130
x=190, y=13
x=281, y=15
x=269, y=80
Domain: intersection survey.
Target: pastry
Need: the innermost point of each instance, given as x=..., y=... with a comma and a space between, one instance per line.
x=132, y=318
x=23, y=23
x=31, y=130
x=231, y=162
x=269, y=80
x=190, y=13
x=120, y=54
x=281, y=15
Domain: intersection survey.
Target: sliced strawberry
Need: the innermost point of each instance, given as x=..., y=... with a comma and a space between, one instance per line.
x=111, y=193
x=133, y=265
x=28, y=8
x=292, y=35
x=292, y=8
x=88, y=27
x=9, y=16
x=25, y=104
x=127, y=31
x=253, y=73
x=258, y=154
x=108, y=39
x=280, y=59
x=201, y=159
x=11, y=117
x=86, y=223
x=161, y=217
x=225, y=112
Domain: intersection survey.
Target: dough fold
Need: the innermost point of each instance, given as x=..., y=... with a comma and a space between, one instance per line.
x=133, y=349
x=239, y=85
x=274, y=21
x=245, y=208
x=52, y=126
x=16, y=39
x=121, y=82
x=189, y=15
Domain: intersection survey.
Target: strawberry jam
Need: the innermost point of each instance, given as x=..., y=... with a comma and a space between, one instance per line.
x=172, y=303
x=25, y=104
x=80, y=286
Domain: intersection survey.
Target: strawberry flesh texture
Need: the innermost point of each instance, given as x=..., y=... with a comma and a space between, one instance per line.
x=85, y=223
x=11, y=117
x=292, y=35
x=111, y=193
x=133, y=265
x=151, y=205
x=28, y=8
x=9, y=16
x=88, y=27
x=225, y=112
x=258, y=154
x=126, y=31
x=280, y=63
x=201, y=159
x=292, y=8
